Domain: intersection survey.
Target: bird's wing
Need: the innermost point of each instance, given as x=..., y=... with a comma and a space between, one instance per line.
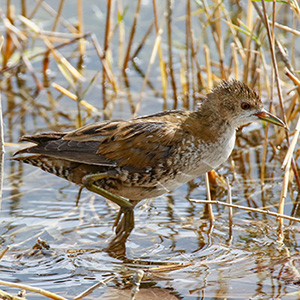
x=138, y=143
x=75, y=149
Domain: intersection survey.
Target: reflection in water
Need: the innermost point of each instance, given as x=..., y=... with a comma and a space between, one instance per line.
x=166, y=233
x=172, y=241
x=171, y=230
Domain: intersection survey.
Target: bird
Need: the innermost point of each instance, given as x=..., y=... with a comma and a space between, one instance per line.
x=147, y=156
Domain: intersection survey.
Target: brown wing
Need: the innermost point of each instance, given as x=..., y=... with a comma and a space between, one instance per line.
x=95, y=132
x=139, y=143
x=54, y=144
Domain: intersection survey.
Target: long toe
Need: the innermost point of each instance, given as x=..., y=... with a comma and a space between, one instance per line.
x=117, y=246
x=127, y=222
x=117, y=220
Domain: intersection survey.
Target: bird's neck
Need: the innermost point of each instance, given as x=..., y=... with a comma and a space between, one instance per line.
x=208, y=125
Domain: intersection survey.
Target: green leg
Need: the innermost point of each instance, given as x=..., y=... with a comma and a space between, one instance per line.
x=126, y=207
x=79, y=194
x=117, y=245
x=89, y=183
x=118, y=218
x=127, y=222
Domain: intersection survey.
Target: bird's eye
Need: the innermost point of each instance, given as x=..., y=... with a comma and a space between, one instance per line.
x=245, y=106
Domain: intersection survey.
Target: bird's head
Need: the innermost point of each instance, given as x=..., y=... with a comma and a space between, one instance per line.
x=238, y=105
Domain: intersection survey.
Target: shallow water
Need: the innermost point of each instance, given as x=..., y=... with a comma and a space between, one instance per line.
x=182, y=256
x=169, y=229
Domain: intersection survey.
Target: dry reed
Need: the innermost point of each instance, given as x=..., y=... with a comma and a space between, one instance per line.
x=217, y=45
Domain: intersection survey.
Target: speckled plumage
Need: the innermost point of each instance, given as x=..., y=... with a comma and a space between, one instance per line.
x=148, y=156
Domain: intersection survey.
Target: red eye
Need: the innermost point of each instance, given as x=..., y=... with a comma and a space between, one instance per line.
x=245, y=106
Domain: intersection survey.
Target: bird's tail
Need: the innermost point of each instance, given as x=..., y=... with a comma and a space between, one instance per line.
x=63, y=168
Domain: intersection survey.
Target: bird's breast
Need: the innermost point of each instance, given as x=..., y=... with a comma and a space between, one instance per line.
x=217, y=153
x=196, y=158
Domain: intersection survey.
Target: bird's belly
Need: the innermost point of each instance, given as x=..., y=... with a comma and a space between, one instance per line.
x=184, y=176
x=140, y=191
x=167, y=183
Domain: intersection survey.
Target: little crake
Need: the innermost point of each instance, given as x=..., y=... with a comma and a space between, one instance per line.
x=151, y=155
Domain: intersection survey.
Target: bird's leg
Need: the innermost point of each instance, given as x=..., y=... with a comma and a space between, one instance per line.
x=127, y=221
x=125, y=206
x=89, y=183
x=118, y=218
x=78, y=195
x=117, y=246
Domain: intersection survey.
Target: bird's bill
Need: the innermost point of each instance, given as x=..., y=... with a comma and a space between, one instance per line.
x=266, y=116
